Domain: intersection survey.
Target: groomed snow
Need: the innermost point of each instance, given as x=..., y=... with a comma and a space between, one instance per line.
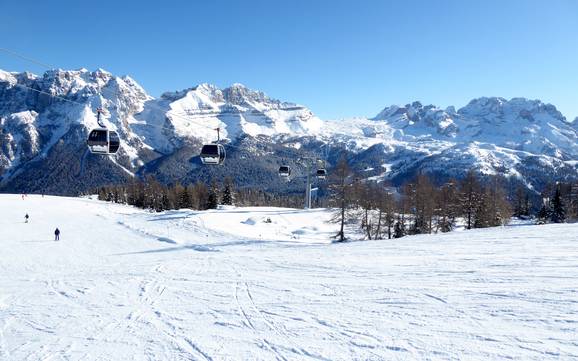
x=124, y=284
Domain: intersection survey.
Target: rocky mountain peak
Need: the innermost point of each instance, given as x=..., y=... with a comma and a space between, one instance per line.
x=415, y=119
x=496, y=109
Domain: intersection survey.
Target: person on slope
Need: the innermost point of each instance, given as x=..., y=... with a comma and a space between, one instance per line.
x=26, y=218
x=57, y=234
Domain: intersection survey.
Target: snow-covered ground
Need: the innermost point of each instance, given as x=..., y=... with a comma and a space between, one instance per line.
x=124, y=284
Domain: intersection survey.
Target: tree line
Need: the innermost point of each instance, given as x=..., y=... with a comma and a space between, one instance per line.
x=381, y=211
x=420, y=206
x=559, y=204
x=152, y=195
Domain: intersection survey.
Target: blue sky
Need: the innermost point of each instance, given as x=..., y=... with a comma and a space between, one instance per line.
x=339, y=58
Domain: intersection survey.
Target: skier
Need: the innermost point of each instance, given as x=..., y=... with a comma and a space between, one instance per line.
x=57, y=234
x=26, y=218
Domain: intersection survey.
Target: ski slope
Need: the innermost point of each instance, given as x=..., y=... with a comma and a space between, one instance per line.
x=125, y=284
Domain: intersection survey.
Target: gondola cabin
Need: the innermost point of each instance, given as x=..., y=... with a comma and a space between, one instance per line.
x=284, y=171
x=321, y=173
x=213, y=154
x=103, y=141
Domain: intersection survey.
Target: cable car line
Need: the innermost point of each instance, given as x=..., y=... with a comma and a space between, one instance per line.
x=13, y=53
x=103, y=90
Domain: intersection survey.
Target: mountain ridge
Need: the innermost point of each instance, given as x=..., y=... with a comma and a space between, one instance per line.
x=490, y=134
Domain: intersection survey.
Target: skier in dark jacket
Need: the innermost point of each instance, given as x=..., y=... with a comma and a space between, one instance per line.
x=57, y=234
x=26, y=218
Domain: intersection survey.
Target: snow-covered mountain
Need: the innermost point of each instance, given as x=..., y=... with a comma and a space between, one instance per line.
x=44, y=121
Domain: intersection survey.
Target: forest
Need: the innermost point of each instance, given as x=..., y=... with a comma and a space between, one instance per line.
x=380, y=210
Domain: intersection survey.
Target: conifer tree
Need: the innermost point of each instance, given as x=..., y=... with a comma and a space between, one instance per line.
x=102, y=194
x=558, y=209
x=227, y=198
x=521, y=202
x=165, y=200
x=543, y=214
x=213, y=201
x=573, y=203
x=483, y=213
x=185, y=198
x=399, y=228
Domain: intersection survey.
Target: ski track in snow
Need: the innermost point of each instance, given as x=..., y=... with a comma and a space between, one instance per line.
x=125, y=284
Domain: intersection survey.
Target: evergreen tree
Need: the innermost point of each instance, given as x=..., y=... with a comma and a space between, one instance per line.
x=185, y=198
x=543, y=215
x=521, y=202
x=213, y=201
x=492, y=208
x=165, y=202
x=399, y=228
x=558, y=209
x=390, y=223
x=102, y=195
x=227, y=198
x=573, y=203
x=483, y=213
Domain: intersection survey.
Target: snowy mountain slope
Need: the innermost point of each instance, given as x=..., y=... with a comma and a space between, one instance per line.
x=219, y=285
x=525, y=139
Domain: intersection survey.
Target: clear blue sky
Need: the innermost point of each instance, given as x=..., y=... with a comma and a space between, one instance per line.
x=339, y=58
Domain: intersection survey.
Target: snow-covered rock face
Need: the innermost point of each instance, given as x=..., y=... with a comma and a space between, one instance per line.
x=418, y=120
x=491, y=135
x=237, y=110
x=75, y=97
x=521, y=124
x=20, y=138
